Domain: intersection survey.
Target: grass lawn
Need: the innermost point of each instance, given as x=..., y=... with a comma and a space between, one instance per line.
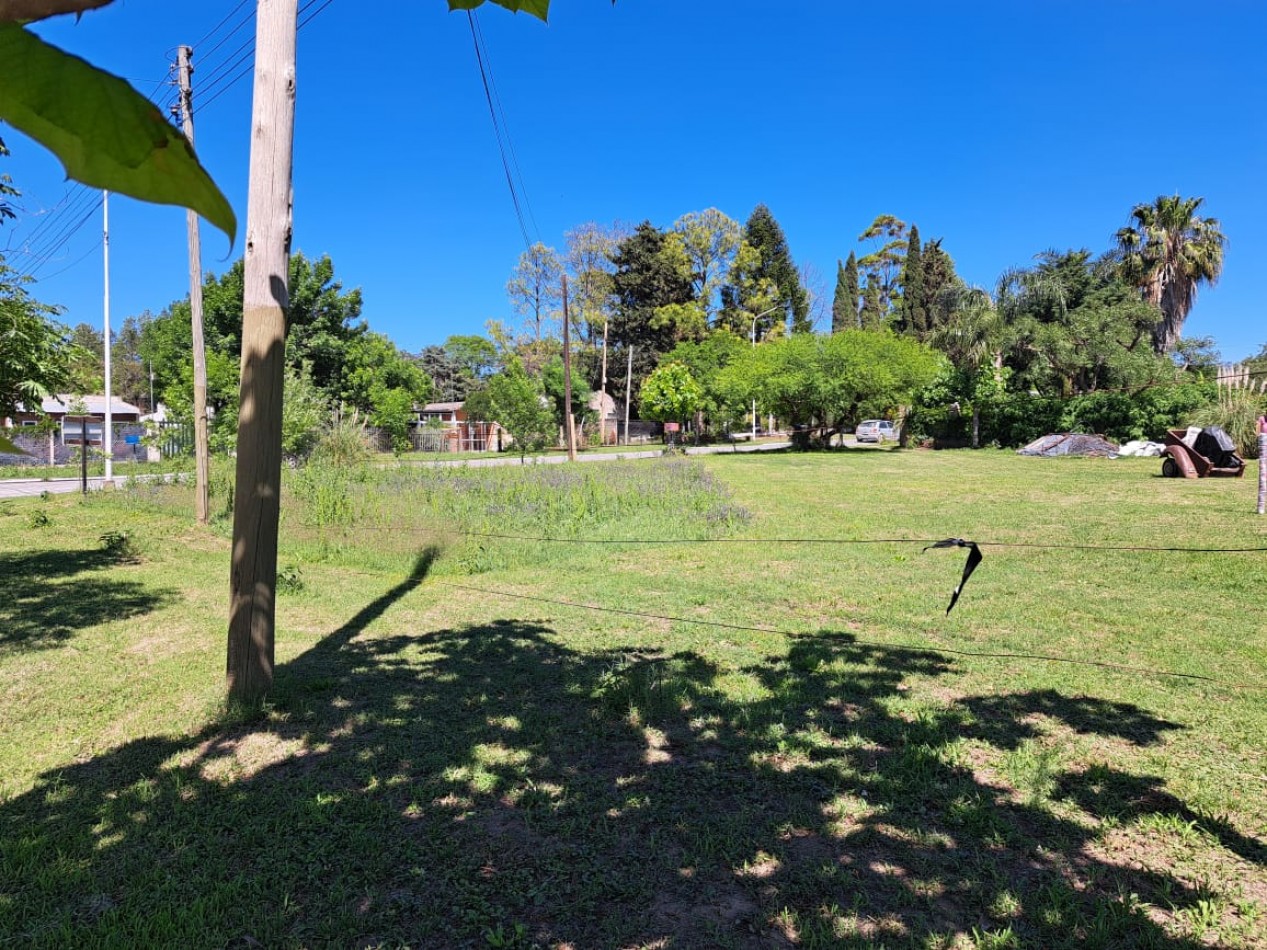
x=442, y=765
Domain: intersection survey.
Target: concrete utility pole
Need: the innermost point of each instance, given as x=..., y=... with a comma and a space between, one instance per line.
x=202, y=452
x=107, y=434
x=265, y=299
x=567, y=376
x=1262, y=464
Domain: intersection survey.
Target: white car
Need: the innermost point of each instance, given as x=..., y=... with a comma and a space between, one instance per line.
x=876, y=430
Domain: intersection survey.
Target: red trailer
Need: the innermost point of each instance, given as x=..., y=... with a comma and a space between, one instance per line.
x=1188, y=461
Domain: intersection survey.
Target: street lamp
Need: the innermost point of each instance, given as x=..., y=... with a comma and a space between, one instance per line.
x=754, y=346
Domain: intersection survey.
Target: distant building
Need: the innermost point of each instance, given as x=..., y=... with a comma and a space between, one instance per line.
x=445, y=427
x=71, y=430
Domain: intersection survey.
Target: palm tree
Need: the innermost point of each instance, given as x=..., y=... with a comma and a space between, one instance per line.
x=1166, y=251
x=974, y=333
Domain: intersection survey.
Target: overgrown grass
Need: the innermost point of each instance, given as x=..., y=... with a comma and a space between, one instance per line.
x=444, y=766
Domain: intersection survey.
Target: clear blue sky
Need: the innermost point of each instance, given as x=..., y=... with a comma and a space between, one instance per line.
x=1004, y=127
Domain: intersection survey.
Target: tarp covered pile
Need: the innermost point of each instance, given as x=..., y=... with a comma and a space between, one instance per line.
x=1070, y=443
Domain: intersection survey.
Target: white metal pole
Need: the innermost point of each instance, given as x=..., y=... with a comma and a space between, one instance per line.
x=107, y=437
x=1262, y=467
x=754, y=398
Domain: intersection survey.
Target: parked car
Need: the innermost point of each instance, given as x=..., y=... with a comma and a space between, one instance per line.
x=876, y=430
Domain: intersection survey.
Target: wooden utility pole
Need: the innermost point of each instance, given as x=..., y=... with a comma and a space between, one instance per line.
x=257, y=497
x=202, y=452
x=602, y=392
x=628, y=389
x=567, y=376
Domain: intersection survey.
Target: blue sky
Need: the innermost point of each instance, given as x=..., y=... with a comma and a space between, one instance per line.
x=1004, y=128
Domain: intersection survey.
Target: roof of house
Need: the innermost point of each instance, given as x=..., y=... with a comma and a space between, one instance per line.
x=95, y=405
x=442, y=406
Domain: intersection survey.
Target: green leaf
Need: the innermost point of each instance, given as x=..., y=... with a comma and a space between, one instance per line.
x=22, y=11
x=538, y=8
x=106, y=134
x=9, y=447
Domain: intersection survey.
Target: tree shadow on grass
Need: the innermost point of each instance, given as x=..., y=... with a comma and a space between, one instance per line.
x=489, y=786
x=51, y=595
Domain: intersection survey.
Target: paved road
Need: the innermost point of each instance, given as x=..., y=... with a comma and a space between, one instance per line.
x=32, y=487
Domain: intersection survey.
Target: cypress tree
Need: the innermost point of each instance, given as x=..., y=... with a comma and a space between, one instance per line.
x=914, y=315
x=841, y=318
x=851, y=288
x=872, y=315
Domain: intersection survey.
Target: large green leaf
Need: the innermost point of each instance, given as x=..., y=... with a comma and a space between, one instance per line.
x=24, y=10
x=106, y=133
x=538, y=8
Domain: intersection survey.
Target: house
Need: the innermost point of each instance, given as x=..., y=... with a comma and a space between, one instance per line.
x=604, y=417
x=71, y=415
x=445, y=427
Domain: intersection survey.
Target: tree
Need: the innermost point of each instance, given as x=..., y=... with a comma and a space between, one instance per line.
x=648, y=288
x=1167, y=251
x=304, y=413
x=87, y=367
x=942, y=285
x=709, y=241
x=35, y=351
x=829, y=381
x=515, y=400
x=670, y=394
x=706, y=359
x=844, y=308
x=912, y=313
x=872, y=314
x=7, y=191
x=534, y=287
x=884, y=264
x=773, y=263
x=973, y=337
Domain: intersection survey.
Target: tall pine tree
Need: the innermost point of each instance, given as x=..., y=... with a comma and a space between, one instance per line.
x=913, y=315
x=844, y=308
x=775, y=264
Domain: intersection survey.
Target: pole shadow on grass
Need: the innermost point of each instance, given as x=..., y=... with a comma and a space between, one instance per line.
x=488, y=786
x=51, y=595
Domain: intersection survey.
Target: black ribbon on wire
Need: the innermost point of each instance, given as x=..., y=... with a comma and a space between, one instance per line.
x=974, y=558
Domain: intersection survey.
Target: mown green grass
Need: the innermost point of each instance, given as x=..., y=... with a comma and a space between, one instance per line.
x=442, y=765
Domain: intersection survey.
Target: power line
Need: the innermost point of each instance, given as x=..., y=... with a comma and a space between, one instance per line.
x=211, y=32
x=510, y=144
x=224, y=76
x=1055, y=546
x=501, y=148
x=79, y=260
x=950, y=651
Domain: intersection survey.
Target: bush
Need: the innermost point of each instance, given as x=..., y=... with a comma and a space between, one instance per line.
x=1236, y=411
x=345, y=443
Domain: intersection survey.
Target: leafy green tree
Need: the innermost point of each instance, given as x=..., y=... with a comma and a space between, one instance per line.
x=648, y=287
x=305, y=413
x=7, y=191
x=772, y=263
x=35, y=351
x=535, y=288
x=973, y=338
x=670, y=394
x=942, y=286
x=87, y=368
x=883, y=265
x=516, y=401
x=1167, y=251
x=709, y=240
x=706, y=359
x=830, y=381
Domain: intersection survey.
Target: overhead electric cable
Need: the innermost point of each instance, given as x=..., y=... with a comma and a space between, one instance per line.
x=501, y=148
